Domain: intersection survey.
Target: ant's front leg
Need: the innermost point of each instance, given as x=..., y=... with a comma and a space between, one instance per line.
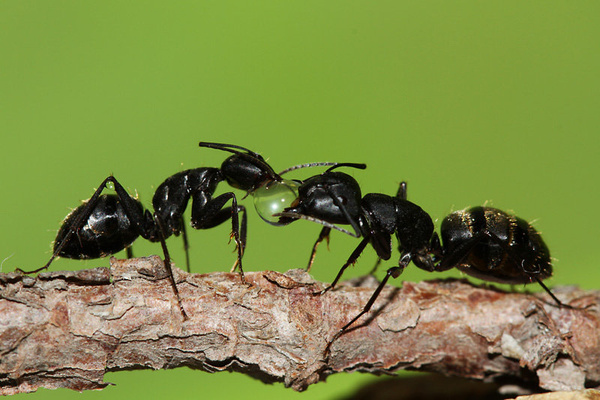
x=208, y=214
x=401, y=194
x=324, y=235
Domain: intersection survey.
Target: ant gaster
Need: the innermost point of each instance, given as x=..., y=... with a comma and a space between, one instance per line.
x=108, y=223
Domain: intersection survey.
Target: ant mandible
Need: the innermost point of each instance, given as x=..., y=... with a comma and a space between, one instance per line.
x=108, y=223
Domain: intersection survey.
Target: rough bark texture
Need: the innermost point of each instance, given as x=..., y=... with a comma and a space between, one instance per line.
x=66, y=329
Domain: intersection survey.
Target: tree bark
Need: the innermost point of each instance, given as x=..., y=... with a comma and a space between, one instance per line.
x=66, y=329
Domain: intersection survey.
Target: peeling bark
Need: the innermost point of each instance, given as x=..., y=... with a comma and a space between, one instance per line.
x=66, y=329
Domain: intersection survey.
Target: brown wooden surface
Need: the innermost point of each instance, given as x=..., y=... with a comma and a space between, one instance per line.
x=66, y=329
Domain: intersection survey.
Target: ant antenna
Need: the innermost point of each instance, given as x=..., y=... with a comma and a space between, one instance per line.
x=227, y=147
x=351, y=165
x=324, y=164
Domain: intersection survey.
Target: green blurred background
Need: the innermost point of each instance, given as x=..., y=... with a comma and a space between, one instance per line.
x=469, y=101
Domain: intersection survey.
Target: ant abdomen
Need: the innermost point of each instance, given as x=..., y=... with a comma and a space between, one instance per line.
x=495, y=246
x=107, y=231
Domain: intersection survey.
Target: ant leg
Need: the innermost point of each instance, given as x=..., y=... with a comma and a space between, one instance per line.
x=168, y=266
x=351, y=260
x=243, y=228
x=242, y=234
x=558, y=302
x=235, y=232
x=436, y=250
x=323, y=235
x=457, y=257
x=186, y=245
x=374, y=269
x=392, y=272
x=149, y=227
x=129, y=252
x=210, y=214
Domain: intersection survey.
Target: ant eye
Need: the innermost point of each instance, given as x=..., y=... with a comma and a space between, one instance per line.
x=273, y=198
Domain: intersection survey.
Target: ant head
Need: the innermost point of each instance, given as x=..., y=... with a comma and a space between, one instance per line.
x=247, y=172
x=332, y=196
x=245, y=169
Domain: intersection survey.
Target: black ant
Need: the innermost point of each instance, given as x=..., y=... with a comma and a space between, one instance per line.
x=484, y=242
x=108, y=223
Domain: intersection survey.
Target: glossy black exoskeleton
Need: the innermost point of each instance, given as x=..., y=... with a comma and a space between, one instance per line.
x=492, y=245
x=108, y=223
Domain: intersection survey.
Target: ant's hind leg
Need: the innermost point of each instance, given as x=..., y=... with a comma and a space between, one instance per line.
x=169, y=267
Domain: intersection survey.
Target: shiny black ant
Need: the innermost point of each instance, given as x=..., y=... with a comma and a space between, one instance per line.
x=484, y=242
x=108, y=223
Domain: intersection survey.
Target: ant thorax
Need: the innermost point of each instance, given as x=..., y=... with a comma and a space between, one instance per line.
x=273, y=198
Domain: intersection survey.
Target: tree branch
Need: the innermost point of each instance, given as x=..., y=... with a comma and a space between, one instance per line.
x=66, y=329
